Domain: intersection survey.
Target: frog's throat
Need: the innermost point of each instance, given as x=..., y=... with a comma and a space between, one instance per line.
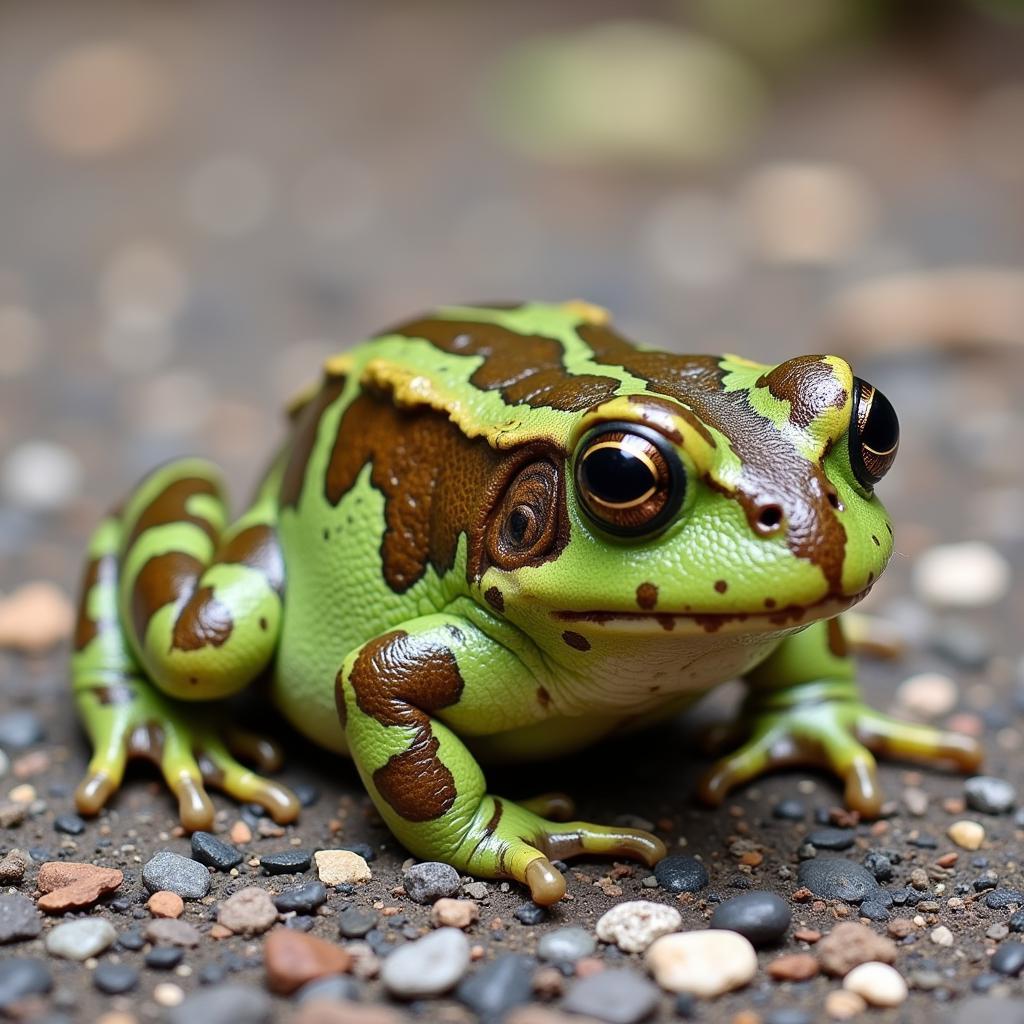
x=788, y=618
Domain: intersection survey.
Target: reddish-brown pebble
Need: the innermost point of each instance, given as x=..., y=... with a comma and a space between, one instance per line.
x=70, y=886
x=900, y=928
x=793, y=967
x=587, y=966
x=947, y=860
x=240, y=833
x=849, y=945
x=218, y=931
x=329, y=1011
x=294, y=958
x=746, y=1017
x=165, y=904
x=454, y=913
x=810, y=935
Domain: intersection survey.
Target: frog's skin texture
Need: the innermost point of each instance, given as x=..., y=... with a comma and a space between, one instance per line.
x=429, y=577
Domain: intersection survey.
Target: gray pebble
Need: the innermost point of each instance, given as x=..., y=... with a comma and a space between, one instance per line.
x=354, y=922
x=427, y=967
x=20, y=729
x=19, y=918
x=476, y=890
x=338, y=988
x=169, y=931
x=990, y=795
x=833, y=878
x=566, y=944
x=617, y=996
x=430, y=881
x=172, y=872
x=81, y=939
x=303, y=899
x=679, y=872
x=115, y=979
x=761, y=917
x=498, y=986
x=224, y=1004
x=23, y=977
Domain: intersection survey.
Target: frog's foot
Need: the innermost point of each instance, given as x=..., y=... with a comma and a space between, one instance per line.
x=132, y=720
x=556, y=806
x=827, y=725
x=509, y=840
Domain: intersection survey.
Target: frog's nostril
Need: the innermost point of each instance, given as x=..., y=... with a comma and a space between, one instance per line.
x=769, y=519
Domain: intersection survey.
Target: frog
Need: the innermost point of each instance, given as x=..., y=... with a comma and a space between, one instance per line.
x=504, y=533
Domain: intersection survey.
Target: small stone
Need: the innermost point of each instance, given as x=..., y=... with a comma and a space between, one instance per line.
x=69, y=824
x=33, y=619
x=877, y=984
x=12, y=814
x=832, y=878
x=498, y=986
x=832, y=838
x=224, y=1004
x=790, y=809
x=990, y=795
x=164, y=958
x=24, y=794
x=19, y=918
x=843, y=1005
x=302, y=899
x=293, y=959
x=335, y=987
x=287, y=862
x=1003, y=899
x=13, y=867
x=967, y=575
x=167, y=870
x=531, y=914
x=850, y=944
x=941, y=936
x=70, y=886
x=341, y=867
x=430, y=881
x=115, y=979
x=916, y=800
x=168, y=994
x=450, y=913
x=20, y=730
x=169, y=932
x=211, y=851
x=81, y=939
x=928, y=694
x=761, y=917
x=705, y=963
x=165, y=904
x=968, y=835
x=566, y=945
x=794, y=967
x=240, y=833
x=355, y=922
x=634, y=925
x=1008, y=959
x=476, y=890
x=249, y=911
x=427, y=967
x=679, y=872
x=616, y=996
x=22, y=978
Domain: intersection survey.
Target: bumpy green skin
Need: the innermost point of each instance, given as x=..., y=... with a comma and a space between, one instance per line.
x=366, y=585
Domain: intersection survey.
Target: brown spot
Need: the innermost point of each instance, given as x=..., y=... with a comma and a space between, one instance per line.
x=99, y=570
x=492, y=822
x=264, y=625
x=524, y=368
x=159, y=582
x=257, y=547
x=773, y=471
x=576, y=640
x=203, y=622
x=809, y=384
x=303, y=439
x=721, y=586
x=113, y=694
x=171, y=506
x=147, y=741
x=671, y=409
x=401, y=680
x=837, y=639
x=647, y=596
x=770, y=602
x=543, y=697
x=494, y=597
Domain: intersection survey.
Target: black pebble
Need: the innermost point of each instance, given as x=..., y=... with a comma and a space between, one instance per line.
x=131, y=940
x=115, y=979
x=493, y=990
x=923, y=842
x=212, y=974
x=1008, y=959
x=365, y=850
x=530, y=913
x=164, y=958
x=790, y=809
x=761, y=917
x=307, y=793
x=879, y=865
x=300, y=923
x=356, y=922
x=69, y=824
x=23, y=977
x=987, y=881
x=874, y=910
x=680, y=872
x=686, y=1005
x=832, y=838
x=214, y=853
x=287, y=862
x=833, y=878
x=303, y=899
x=1002, y=899
x=1016, y=922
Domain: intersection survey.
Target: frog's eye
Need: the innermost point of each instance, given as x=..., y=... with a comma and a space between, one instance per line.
x=525, y=528
x=629, y=479
x=874, y=434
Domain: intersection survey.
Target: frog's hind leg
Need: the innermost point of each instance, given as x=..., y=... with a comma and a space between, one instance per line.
x=124, y=714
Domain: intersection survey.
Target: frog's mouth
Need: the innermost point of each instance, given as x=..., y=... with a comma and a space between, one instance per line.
x=777, y=620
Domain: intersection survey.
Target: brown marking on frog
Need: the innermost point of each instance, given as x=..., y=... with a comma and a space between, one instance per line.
x=494, y=597
x=543, y=697
x=160, y=581
x=203, y=622
x=672, y=409
x=303, y=441
x=721, y=586
x=401, y=680
x=837, y=639
x=171, y=506
x=576, y=640
x=113, y=694
x=809, y=384
x=258, y=548
x=99, y=570
x=647, y=596
x=495, y=818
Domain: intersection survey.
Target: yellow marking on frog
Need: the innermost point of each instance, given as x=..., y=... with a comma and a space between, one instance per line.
x=588, y=311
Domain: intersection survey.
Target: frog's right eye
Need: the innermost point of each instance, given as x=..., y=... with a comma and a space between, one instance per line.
x=874, y=434
x=629, y=479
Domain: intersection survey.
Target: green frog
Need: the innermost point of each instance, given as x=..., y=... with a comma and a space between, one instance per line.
x=500, y=533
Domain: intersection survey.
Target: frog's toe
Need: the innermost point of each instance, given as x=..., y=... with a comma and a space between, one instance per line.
x=265, y=753
x=890, y=737
x=195, y=809
x=545, y=882
x=98, y=785
x=553, y=806
x=576, y=838
x=221, y=770
x=762, y=753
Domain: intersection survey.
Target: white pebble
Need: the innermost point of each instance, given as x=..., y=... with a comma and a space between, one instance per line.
x=427, y=967
x=968, y=835
x=942, y=936
x=929, y=694
x=968, y=575
x=634, y=925
x=41, y=476
x=704, y=963
x=79, y=940
x=877, y=984
x=341, y=867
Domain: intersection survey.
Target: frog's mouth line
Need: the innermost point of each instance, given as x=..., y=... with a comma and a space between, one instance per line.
x=788, y=618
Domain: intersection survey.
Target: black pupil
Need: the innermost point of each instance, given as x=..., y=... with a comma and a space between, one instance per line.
x=518, y=523
x=615, y=475
x=882, y=430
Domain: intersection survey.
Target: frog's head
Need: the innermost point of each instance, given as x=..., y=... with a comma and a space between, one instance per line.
x=712, y=495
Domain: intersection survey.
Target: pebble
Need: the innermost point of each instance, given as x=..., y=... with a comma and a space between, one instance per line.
x=287, y=862
x=427, y=967
x=354, y=922
x=167, y=870
x=13, y=867
x=832, y=838
x=963, y=645
x=335, y=987
x=164, y=958
x=1003, y=899
x=81, y=939
x=341, y=867
x=451, y=913
x=967, y=575
x=302, y=899
x=566, y=945
x=224, y=1004
x=841, y=1004
x=833, y=878
x=21, y=978
x=476, y=890
x=165, y=904
x=990, y=795
x=761, y=917
x=531, y=914
x=115, y=979
x=166, y=931
x=168, y=994
x=928, y=694
x=249, y=911
x=790, y=809
x=33, y=619
x=498, y=986
x=635, y=924
x=69, y=824
x=1008, y=959
x=214, y=853
x=941, y=936
x=705, y=963
x=616, y=996
x=19, y=918
x=679, y=872
x=430, y=881
x=968, y=835
x=794, y=967
x=293, y=959
x=877, y=984
x=12, y=814
x=20, y=729
x=850, y=944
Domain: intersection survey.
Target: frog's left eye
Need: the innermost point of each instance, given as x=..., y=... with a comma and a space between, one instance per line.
x=629, y=479
x=874, y=434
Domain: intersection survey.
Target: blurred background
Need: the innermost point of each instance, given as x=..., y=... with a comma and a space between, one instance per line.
x=200, y=201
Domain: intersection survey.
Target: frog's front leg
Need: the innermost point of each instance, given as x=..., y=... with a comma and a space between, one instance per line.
x=804, y=708
x=173, y=607
x=403, y=697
